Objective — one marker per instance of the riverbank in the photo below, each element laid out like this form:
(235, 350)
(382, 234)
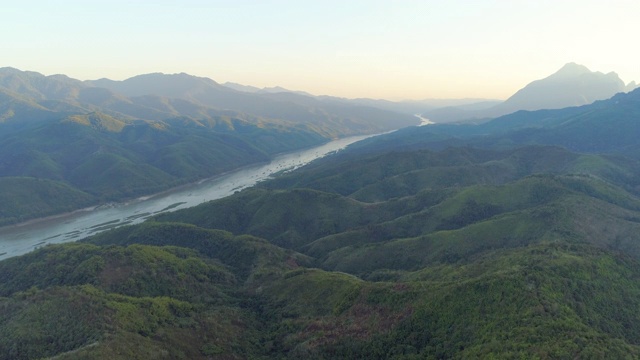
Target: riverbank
(21, 238)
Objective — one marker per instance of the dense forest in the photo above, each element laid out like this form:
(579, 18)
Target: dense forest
(517, 238)
(66, 144)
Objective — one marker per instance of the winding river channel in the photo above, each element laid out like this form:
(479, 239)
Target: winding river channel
(22, 238)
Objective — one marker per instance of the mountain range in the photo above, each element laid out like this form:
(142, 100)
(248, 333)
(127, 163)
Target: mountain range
(572, 85)
(89, 142)
(606, 126)
(158, 97)
(514, 238)
(409, 107)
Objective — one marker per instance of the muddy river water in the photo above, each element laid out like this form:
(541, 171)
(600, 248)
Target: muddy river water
(25, 237)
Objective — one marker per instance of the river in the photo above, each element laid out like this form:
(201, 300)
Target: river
(423, 121)
(22, 238)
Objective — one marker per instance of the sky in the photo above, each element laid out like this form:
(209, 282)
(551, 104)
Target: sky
(394, 50)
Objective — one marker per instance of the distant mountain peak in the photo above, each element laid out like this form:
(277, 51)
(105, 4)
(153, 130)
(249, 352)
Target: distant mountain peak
(9, 70)
(572, 85)
(158, 76)
(169, 85)
(571, 70)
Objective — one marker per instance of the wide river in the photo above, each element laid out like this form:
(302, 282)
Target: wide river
(22, 238)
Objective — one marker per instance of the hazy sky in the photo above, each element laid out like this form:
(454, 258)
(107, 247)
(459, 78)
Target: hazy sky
(351, 48)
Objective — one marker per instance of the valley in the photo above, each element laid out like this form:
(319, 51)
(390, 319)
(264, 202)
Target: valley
(320, 180)
(21, 238)
(67, 144)
(512, 237)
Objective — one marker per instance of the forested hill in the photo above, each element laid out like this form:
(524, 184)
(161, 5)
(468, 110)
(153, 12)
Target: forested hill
(424, 243)
(572, 85)
(607, 126)
(66, 144)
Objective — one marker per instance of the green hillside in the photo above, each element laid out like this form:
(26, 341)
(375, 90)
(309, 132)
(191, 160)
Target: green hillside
(79, 301)
(514, 239)
(603, 127)
(469, 253)
(442, 206)
(113, 160)
(23, 198)
(115, 147)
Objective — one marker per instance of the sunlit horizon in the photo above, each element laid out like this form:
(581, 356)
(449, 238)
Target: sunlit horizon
(408, 50)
